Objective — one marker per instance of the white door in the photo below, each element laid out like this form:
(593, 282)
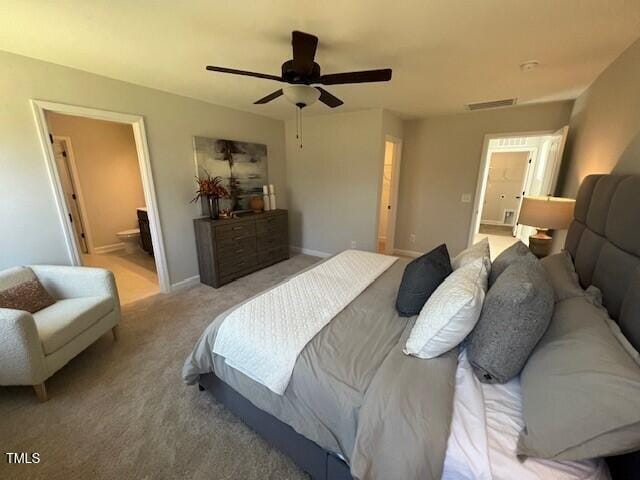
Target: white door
(542, 178)
(70, 194)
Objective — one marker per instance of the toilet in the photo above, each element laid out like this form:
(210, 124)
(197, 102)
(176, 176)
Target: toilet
(130, 239)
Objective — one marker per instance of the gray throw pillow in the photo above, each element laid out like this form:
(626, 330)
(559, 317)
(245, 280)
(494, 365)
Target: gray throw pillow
(580, 389)
(515, 315)
(515, 252)
(420, 279)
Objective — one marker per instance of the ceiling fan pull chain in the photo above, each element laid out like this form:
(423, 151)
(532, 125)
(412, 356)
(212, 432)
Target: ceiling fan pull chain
(301, 127)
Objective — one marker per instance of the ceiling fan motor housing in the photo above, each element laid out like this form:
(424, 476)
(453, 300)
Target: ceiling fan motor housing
(291, 75)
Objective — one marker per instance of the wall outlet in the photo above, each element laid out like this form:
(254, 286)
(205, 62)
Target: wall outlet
(353, 244)
(412, 238)
(466, 198)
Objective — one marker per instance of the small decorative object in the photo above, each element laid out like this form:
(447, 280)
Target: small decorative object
(265, 197)
(257, 204)
(272, 198)
(544, 213)
(211, 190)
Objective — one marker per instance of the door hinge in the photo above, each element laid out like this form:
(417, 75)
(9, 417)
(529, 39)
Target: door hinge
(51, 138)
(64, 154)
(73, 195)
(82, 235)
(70, 218)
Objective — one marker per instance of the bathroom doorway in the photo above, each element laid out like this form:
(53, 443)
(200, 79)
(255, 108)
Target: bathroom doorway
(105, 196)
(513, 166)
(387, 208)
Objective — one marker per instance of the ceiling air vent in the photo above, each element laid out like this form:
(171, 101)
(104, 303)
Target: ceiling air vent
(492, 104)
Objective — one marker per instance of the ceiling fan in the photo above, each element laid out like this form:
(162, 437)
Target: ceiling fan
(302, 74)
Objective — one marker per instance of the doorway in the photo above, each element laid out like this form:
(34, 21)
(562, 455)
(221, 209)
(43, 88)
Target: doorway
(513, 166)
(100, 171)
(387, 208)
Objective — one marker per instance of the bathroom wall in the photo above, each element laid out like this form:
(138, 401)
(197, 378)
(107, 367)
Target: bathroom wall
(107, 166)
(504, 184)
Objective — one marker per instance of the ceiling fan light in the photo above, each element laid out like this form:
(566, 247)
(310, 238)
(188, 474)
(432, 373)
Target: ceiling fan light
(301, 95)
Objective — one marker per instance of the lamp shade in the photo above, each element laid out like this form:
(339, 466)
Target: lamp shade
(301, 95)
(546, 212)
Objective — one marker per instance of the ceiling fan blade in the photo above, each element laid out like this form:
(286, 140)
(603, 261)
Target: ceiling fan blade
(212, 68)
(304, 51)
(268, 98)
(329, 99)
(383, 75)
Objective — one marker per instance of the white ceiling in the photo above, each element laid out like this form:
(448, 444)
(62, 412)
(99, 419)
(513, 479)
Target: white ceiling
(444, 53)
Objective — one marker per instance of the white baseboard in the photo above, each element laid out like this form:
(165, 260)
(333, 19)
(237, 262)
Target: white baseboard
(114, 247)
(406, 253)
(495, 223)
(308, 251)
(187, 282)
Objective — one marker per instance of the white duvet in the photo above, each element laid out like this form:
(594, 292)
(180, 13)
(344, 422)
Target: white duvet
(484, 431)
(264, 336)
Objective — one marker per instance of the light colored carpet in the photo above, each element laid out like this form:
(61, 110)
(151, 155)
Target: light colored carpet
(120, 410)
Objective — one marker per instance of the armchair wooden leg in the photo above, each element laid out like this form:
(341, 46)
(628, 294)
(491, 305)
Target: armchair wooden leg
(41, 392)
(114, 331)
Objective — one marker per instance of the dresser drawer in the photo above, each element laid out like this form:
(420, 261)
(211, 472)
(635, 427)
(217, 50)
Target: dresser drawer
(231, 265)
(235, 231)
(271, 224)
(231, 246)
(273, 255)
(266, 242)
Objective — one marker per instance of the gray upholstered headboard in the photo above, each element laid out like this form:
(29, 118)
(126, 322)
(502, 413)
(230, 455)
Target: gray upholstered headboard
(604, 241)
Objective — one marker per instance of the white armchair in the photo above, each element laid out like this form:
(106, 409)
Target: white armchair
(35, 346)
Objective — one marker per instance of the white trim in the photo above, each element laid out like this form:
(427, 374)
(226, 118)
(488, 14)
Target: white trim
(144, 160)
(186, 283)
(407, 253)
(308, 251)
(114, 247)
(496, 223)
(484, 171)
(77, 187)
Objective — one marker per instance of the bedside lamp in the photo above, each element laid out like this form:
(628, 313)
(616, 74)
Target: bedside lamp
(544, 213)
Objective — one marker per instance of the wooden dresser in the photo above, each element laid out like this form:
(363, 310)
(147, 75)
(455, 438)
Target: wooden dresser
(231, 248)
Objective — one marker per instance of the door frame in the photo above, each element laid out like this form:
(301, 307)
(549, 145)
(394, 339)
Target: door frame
(483, 173)
(393, 193)
(144, 163)
(77, 188)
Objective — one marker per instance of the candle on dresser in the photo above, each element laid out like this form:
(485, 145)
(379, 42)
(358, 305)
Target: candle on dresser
(265, 197)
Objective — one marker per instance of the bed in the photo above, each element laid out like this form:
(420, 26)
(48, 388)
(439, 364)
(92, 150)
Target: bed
(356, 406)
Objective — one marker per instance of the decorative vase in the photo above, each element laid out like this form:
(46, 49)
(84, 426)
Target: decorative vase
(256, 204)
(213, 208)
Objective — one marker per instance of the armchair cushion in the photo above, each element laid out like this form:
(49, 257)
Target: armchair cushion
(21, 290)
(68, 318)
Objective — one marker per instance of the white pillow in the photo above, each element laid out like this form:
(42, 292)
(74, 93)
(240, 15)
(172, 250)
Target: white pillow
(451, 312)
(475, 251)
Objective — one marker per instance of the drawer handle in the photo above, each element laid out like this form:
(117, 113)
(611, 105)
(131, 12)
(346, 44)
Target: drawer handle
(237, 228)
(237, 238)
(240, 250)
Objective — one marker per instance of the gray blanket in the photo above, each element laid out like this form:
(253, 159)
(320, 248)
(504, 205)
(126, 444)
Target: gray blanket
(354, 392)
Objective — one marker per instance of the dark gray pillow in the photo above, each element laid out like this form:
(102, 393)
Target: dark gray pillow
(515, 315)
(515, 252)
(420, 279)
(580, 388)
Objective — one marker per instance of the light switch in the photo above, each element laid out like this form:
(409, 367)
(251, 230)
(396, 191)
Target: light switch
(466, 198)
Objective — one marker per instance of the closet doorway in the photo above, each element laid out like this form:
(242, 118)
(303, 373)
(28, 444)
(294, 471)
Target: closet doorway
(387, 208)
(513, 166)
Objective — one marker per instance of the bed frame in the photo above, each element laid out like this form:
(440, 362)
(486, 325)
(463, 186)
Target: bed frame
(604, 242)
(308, 455)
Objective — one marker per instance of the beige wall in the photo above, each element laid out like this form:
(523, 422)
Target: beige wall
(604, 133)
(334, 180)
(440, 163)
(30, 224)
(107, 165)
